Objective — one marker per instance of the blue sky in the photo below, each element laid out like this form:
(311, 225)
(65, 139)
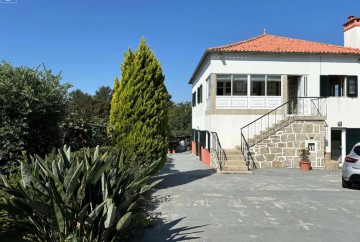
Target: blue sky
(86, 39)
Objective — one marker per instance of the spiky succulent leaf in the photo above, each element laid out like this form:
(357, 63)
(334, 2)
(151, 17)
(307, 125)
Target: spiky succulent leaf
(96, 174)
(124, 221)
(60, 222)
(86, 197)
(65, 155)
(148, 187)
(39, 207)
(25, 174)
(90, 219)
(82, 214)
(74, 180)
(110, 216)
(3, 181)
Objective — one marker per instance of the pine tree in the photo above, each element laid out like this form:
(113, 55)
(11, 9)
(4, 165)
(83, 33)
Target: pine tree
(139, 107)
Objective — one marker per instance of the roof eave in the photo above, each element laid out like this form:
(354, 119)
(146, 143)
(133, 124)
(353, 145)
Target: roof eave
(201, 62)
(284, 52)
(212, 51)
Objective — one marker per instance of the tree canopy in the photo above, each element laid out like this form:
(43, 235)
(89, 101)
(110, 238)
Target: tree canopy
(139, 106)
(87, 124)
(180, 120)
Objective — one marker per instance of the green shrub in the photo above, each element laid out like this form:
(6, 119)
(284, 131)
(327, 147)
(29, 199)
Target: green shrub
(33, 105)
(67, 197)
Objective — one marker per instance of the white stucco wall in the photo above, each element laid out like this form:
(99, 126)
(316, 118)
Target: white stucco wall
(310, 65)
(199, 120)
(352, 37)
(228, 128)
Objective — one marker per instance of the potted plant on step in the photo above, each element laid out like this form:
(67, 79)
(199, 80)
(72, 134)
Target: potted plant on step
(304, 163)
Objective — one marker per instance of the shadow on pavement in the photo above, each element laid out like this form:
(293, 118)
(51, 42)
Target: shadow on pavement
(172, 177)
(162, 230)
(355, 186)
(169, 232)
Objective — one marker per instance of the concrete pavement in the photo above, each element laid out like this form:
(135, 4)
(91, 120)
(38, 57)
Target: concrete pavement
(193, 203)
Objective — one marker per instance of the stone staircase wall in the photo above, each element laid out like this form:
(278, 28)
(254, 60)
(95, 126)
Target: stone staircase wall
(281, 149)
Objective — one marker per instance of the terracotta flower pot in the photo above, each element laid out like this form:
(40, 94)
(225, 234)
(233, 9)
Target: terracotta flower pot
(305, 165)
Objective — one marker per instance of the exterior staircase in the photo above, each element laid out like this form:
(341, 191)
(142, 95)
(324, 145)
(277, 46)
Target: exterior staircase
(271, 130)
(235, 163)
(301, 110)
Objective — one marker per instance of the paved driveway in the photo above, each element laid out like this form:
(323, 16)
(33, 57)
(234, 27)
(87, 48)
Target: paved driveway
(195, 204)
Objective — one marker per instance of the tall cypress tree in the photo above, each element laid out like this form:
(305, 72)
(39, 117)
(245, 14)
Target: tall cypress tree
(139, 106)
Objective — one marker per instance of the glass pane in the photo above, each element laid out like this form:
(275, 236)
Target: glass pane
(223, 77)
(228, 88)
(240, 85)
(274, 85)
(257, 85)
(335, 86)
(223, 84)
(257, 78)
(274, 78)
(352, 86)
(220, 88)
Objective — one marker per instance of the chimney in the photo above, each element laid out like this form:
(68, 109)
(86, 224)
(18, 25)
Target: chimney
(352, 32)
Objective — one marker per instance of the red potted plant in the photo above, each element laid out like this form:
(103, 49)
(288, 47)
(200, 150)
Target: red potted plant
(304, 162)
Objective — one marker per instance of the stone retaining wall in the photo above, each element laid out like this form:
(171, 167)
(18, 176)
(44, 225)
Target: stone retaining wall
(282, 148)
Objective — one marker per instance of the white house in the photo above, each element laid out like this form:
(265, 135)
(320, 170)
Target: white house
(272, 95)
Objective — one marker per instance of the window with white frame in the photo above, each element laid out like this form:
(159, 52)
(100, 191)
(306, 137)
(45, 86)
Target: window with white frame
(239, 85)
(257, 85)
(223, 87)
(273, 85)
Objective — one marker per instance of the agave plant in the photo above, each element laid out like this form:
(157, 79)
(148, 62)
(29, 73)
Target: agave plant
(81, 198)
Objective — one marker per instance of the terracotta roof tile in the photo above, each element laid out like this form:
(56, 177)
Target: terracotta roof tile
(278, 44)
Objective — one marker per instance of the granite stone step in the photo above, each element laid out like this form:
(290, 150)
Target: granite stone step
(235, 168)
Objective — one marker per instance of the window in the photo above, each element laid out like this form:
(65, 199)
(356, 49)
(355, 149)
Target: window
(208, 87)
(194, 99)
(257, 85)
(352, 86)
(273, 85)
(223, 85)
(199, 96)
(239, 85)
(334, 86)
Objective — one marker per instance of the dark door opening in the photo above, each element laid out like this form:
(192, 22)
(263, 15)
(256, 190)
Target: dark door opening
(293, 88)
(336, 145)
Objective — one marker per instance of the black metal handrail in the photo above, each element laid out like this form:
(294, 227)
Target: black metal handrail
(215, 145)
(245, 150)
(260, 127)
